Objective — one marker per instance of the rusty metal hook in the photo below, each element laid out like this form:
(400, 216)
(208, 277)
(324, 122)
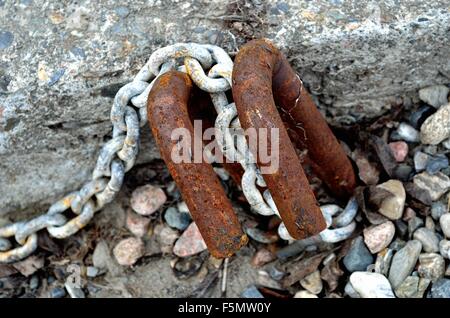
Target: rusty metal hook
(262, 79)
(200, 187)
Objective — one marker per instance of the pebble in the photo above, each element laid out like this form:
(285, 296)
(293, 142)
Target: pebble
(444, 248)
(262, 257)
(128, 251)
(409, 214)
(407, 133)
(147, 199)
(252, 292)
(190, 242)
(6, 39)
(304, 294)
(183, 208)
(436, 163)
(34, 282)
(101, 255)
(418, 117)
(371, 285)
(73, 291)
(431, 266)
(399, 149)
(435, 96)
(383, 261)
(276, 274)
(392, 206)
(261, 236)
(92, 271)
(435, 185)
(441, 288)
(444, 221)
(429, 223)
(312, 283)
(420, 161)
(122, 11)
(367, 171)
(57, 292)
(437, 210)
(403, 172)
(358, 256)
(401, 228)
(404, 262)
(137, 224)
(429, 240)
(378, 237)
(166, 237)
(436, 128)
(413, 224)
(176, 219)
(350, 291)
(412, 287)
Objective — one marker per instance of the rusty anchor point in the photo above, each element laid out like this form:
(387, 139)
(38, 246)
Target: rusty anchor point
(263, 78)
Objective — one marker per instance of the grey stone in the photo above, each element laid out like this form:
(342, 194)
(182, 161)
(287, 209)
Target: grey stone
(437, 163)
(444, 221)
(176, 219)
(431, 266)
(412, 287)
(438, 209)
(57, 292)
(383, 261)
(92, 271)
(358, 256)
(436, 185)
(420, 160)
(406, 132)
(350, 291)
(403, 262)
(441, 288)
(444, 248)
(371, 285)
(436, 128)
(428, 238)
(413, 224)
(429, 223)
(50, 136)
(34, 282)
(435, 96)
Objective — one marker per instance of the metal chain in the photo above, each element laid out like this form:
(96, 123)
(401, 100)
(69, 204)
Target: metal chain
(118, 155)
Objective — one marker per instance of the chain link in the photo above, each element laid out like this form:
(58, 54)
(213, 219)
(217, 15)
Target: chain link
(118, 155)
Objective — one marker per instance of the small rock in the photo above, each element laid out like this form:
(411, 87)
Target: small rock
(166, 237)
(252, 292)
(409, 214)
(358, 256)
(444, 248)
(57, 292)
(378, 237)
(401, 228)
(190, 242)
(444, 221)
(435, 185)
(436, 163)
(428, 238)
(413, 224)
(437, 210)
(34, 282)
(418, 117)
(431, 266)
(312, 283)
(29, 265)
(147, 199)
(429, 223)
(176, 219)
(73, 291)
(404, 262)
(420, 161)
(122, 11)
(304, 294)
(383, 261)
(261, 236)
(399, 149)
(262, 257)
(128, 251)
(137, 224)
(392, 206)
(435, 128)
(402, 172)
(367, 171)
(435, 96)
(183, 208)
(441, 288)
(92, 271)
(407, 133)
(371, 285)
(412, 287)
(350, 291)
(101, 255)
(276, 274)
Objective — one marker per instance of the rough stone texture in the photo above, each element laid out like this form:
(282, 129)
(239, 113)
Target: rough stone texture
(62, 61)
(436, 128)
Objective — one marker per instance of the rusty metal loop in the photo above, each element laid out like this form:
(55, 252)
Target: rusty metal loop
(200, 187)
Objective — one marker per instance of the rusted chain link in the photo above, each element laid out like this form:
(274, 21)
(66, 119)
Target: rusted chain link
(118, 155)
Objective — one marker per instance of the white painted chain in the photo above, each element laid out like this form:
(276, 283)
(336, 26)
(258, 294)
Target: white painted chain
(118, 155)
